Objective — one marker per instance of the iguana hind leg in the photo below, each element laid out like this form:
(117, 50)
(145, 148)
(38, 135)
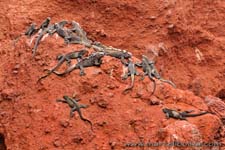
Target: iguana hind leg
(82, 73)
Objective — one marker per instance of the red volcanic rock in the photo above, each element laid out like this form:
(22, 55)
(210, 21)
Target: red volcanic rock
(180, 133)
(221, 94)
(216, 106)
(30, 117)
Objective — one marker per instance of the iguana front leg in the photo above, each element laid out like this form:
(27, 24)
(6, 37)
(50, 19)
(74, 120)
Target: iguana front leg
(125, 76)
(82, 73)
(143, 75)
(97, 62)
(167, 115)
(83, 106)
(72, 110)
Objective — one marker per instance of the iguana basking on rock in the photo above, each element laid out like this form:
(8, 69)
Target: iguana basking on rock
(180, 115)
(75, 106)
(93, 60)
(131, 72)
(150, 70)
(67, 57)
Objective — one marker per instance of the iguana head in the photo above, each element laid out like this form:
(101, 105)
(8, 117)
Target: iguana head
(126, 54)
(66, 97)
(165, 110)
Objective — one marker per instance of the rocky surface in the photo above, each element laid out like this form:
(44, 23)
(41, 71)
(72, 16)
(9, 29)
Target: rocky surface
(186, 40)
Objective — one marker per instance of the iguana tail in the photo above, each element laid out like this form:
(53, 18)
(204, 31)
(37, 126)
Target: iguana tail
(71, 68)
(169, 82)
(195, 115)
(132, 84)
(37, 42)
(82, 118)
(154, 86)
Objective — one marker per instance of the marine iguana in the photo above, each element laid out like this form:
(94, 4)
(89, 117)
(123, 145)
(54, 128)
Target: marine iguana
(45, 24)
(131, 72)
(111, 51)
(31, 30)
(180, 115)
(81, 33)
(93, 60)
(67, 57)
(73, 104)
(150, 70)
(45, 30)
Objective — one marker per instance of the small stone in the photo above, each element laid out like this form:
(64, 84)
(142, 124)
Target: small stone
(111, 95)
(111, 86)
(155, 101)
(17, 66)
(8, 94)
(77, 139)
(101, 93)
(97, 71)
(15, 72)
(47, 130)
(27, 125)
(152, 17)
(102, 103)
(102, 33)
(171, 26)
(112, 144)
(57, 143)
(102, 124)
(95, 85)
(37, 58)
(64, 123)
(92, 100)
(139, 110)
(162, 49)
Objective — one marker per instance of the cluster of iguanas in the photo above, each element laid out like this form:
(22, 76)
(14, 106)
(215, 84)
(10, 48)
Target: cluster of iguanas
(76, 35)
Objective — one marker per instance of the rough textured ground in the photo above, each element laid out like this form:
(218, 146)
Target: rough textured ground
(186, 38)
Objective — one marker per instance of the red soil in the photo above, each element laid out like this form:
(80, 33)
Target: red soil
(186, 38)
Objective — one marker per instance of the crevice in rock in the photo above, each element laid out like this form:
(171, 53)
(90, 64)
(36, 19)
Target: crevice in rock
(2, 142)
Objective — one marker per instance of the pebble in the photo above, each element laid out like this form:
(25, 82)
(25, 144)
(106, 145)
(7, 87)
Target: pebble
(152, 17)
(57, 143)
(17, 66)
(171, 26)
(102, 104)
(111, 95)
(64, 123)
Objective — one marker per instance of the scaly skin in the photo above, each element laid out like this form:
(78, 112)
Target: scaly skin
(31, 30)
(93, 60)
(155, 73)
(45, 23)
(80, 32)
(41, 35)
(180, 115)
(150, 70)
(72, 55)
(46, 29)
(147, 69)
(111, 51)
(131, 72)
(63, 33)
(73, 104)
